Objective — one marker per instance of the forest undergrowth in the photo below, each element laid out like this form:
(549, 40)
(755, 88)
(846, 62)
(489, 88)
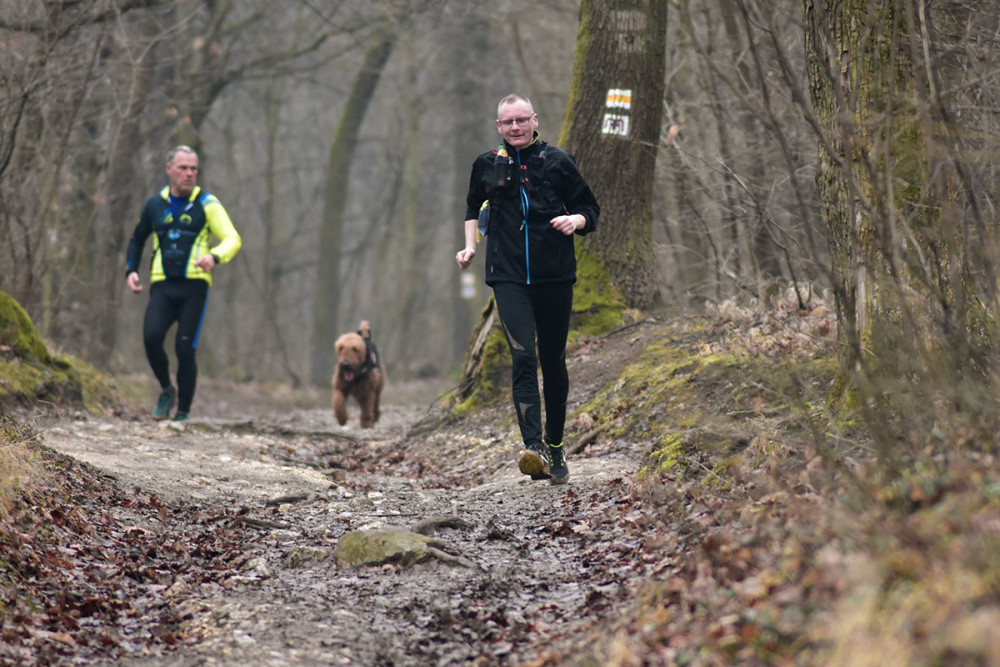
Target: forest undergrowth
(765, 527)
(796, 538)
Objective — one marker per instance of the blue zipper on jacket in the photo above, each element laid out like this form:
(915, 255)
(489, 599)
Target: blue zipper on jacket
(524, 222)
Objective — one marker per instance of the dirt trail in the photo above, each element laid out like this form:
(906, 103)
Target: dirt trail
(536, 579)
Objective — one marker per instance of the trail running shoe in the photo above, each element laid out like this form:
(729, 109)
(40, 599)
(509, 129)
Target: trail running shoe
(180, 416)
(560, 471)
(164, 403)
(534, 461)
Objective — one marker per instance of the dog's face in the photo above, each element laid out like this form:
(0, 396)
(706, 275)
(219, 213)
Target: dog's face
(350, 356)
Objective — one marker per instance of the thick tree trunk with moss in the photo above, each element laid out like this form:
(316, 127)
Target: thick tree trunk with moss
(326, 301)
(612, 127)
(859, 75)
(911, 259)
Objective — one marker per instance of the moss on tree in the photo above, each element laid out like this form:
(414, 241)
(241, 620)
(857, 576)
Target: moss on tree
(29, 373)
(493, 378)
(597, 304)
(18, 335)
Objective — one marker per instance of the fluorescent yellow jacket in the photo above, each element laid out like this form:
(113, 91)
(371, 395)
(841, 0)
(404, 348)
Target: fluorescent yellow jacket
(178, 244)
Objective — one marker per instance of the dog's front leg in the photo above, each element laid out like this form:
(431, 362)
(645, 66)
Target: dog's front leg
(368, 411)
(340, 406)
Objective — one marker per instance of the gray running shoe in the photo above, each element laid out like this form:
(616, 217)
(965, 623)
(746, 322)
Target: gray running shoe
(534, 461)
(560, 471)
(163, 404)
(180, 416)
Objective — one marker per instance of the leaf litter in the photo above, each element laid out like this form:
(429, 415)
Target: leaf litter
(213, 543)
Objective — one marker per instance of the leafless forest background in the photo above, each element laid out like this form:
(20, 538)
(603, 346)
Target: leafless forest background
(94, 93)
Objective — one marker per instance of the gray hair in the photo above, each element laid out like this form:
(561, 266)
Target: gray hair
(511, 99)
(172, 153)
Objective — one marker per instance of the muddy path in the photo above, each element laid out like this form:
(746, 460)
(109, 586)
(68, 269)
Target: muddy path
(537, 566)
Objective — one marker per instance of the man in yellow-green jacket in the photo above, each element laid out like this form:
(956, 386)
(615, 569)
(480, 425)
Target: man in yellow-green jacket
(181, 218)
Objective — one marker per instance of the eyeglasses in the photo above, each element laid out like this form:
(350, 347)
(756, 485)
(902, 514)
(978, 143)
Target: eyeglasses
(521, 122)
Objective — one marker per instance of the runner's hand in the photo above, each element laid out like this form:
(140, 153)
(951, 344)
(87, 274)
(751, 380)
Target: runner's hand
(464, 257)
(206, 263)
(567, 224)
(134, 283)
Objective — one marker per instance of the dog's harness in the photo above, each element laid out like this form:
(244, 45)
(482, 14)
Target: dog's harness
(371, 355)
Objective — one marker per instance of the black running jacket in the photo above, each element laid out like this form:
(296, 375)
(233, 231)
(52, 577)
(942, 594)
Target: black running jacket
(525, 189)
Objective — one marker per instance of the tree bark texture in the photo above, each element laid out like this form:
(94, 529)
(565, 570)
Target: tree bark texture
(858, 73)
(904, 252)
(612, 127)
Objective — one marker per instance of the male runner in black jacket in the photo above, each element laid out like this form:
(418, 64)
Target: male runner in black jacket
(537, 200)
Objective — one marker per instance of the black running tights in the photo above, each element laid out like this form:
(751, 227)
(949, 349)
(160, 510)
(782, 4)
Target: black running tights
(527, 311)
(184, 302)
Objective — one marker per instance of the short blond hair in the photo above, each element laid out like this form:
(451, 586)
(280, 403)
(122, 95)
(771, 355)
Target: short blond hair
(172, 153)
(513, 98)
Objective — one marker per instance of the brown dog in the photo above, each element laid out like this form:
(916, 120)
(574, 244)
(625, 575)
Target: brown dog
(359, 372)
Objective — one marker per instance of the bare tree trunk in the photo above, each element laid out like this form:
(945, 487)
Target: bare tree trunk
(326, 301)
(268, 333)
(414, 240)
(48, 214)
(113, 223)
(762, 248)
(612, 126)
(728, 201)
(470, 92)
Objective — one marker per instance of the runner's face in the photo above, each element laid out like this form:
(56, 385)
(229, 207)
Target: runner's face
(183, 173)
(517, 134)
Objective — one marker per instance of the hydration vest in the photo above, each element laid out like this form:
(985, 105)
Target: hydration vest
(176, 238)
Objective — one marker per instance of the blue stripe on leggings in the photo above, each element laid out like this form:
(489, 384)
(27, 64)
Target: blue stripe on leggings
(201, 321)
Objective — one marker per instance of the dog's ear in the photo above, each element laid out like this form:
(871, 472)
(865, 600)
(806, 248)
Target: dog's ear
(365, 329)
